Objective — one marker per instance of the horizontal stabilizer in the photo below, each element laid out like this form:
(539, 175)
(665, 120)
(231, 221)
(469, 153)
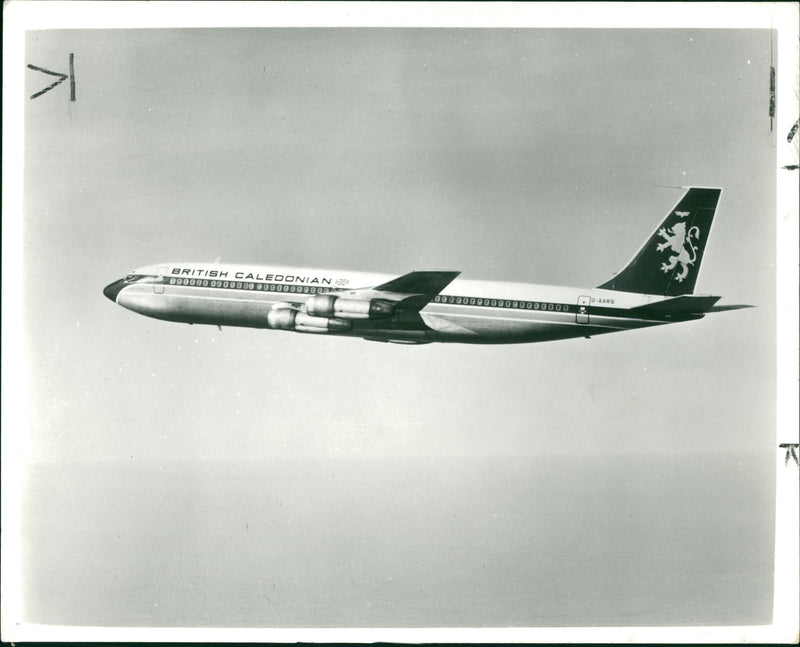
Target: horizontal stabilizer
(726, 308)
(683, 305)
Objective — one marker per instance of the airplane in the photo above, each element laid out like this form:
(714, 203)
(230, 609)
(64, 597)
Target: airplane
(655, 288)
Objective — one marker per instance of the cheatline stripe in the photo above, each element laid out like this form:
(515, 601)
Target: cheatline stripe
(451, 300)
(544, 306)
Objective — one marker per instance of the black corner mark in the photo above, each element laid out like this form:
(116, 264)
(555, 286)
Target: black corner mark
(791, 451)
(71, 76)
(61, 78)
(793, 131)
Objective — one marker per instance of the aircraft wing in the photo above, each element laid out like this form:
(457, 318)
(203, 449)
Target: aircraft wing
(412, 291)
(430, 283)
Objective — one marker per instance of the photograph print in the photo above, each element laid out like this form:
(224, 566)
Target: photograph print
(315, 325)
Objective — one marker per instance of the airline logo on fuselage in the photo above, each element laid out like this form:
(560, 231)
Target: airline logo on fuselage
(256, 276)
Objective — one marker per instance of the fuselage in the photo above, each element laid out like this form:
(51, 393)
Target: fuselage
(466, 311)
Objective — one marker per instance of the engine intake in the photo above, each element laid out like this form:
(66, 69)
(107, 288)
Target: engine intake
(290, 319)
(327, 305)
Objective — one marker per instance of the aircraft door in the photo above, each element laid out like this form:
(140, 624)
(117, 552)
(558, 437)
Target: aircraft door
(582, 316)
(158, 286)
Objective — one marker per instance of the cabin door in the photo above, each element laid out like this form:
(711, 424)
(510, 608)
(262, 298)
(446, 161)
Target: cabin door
(158, 286)
(582, 316)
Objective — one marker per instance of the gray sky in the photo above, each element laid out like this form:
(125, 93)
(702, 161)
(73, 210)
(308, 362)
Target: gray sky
(515, 155)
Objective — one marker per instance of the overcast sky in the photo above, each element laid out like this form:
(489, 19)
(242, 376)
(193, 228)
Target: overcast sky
(540, 156)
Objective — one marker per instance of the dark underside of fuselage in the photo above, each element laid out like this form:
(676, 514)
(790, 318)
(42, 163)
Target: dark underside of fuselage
(418, 333)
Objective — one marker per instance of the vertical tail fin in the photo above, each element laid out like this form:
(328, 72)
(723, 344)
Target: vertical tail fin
(669, 262)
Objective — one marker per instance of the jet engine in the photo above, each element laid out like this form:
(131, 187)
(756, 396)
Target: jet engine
(284, 318)
(327, 305)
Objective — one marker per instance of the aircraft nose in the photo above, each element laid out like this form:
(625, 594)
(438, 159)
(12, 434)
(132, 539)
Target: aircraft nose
(112, 289)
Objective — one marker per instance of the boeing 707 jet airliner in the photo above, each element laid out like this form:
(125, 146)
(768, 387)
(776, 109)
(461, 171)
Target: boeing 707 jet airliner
(655, 288)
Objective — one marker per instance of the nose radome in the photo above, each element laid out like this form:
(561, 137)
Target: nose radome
(112, 289)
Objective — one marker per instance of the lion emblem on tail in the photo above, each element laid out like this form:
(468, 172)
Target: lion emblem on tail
(680, 242)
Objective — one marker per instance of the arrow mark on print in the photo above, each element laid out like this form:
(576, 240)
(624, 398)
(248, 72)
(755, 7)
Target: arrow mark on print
(61, 78)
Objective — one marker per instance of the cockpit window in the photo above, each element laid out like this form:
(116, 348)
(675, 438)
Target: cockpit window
(142, 278)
